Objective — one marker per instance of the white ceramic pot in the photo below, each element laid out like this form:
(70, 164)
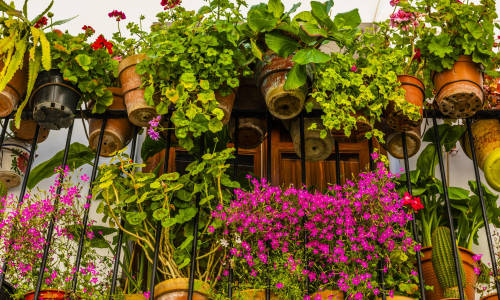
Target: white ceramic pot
(14, 157)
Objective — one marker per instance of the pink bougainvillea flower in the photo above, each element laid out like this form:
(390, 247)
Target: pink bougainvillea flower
(41, 22)
(118, 15)
(168, 4)
(84, 177)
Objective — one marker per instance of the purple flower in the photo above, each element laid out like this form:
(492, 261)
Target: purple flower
(153, 134)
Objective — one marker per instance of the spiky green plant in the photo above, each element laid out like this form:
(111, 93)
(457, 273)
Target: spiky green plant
(444, 264)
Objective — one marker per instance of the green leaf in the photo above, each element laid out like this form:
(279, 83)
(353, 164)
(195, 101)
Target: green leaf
(215, 125)
(78, 155)
(160, 214)
(184, 263)
(151, 147)
(260, 19)
(456, 193)
(350, 19)
(255, 49)
(276, 7)
(281, 44)
(321, 13)
(184, 195)
(310, 55)
(61, 22)
(440, 45)
(427, 161)
(296, 78)
(168, 222)
(474, 29)
(186, 214)
(313, 30)
(186, 243)
(135, 218)
(169, 176)
(84, 61)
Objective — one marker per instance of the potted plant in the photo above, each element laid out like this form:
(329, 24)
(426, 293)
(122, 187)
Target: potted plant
(457, 42)
(23, 233)
(317, 147)
(14, 161)
(27, 129)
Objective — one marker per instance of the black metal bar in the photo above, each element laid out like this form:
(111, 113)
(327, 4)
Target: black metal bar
(159, 227)
(236, 145)
(194, 249)
(50, 231)
(413, 222)
(23, 190)
(483, 206)
(120, 232)
(337, 163)
(370, 151)
(302, 150)
(269, 122)
(437, 143)
(4, 131)
(87, 209)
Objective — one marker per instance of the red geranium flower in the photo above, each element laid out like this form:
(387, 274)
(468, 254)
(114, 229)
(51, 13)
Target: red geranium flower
(414, 202)
(102, 42)
(119, 15)
(168, 4)
(87, 28)
(417, 55)
(41, 22)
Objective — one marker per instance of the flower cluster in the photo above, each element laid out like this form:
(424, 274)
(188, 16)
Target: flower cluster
(413, 202)
(118, 15)
(23, 233)
(349, 230)
(102, 42)
(88, 29)
(394, 2)
(41, 22)
(168, 4)
(152, 130)
(404, 20)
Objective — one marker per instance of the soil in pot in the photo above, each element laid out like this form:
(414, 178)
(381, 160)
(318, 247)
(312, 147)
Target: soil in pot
(254, 294)
(486, 135)
(177, 289)
(272, 74)
(226, 103)
(139, 112)
(431, 279)
(329, 295)
(54, 100)
(394, 142)
(316, 148)
(414, 94)
(117, 133)
(15, 89)
(48, 294)
(459, 91)
(14, 157)
(27, 129)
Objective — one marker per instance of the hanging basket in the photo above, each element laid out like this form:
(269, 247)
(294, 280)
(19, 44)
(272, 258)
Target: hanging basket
(14, 161)
(414, 94)
(139, 112)
(117, 133)
(177, 289)
(27, 130)
(15, 89)
(272, 74)
(316, 148)
(54, 100)
(459, 91)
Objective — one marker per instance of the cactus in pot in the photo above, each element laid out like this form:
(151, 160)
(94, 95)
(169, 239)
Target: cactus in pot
(443, 262)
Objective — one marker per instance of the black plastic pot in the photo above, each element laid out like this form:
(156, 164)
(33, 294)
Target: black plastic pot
(54, 100)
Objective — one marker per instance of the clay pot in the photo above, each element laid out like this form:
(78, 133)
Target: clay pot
(139, 112)
(459, 90)
(490, 297)
(414, 94)
(254, 294)
(316, 147)
(15, 89)
(54, 100)
(329, 295)
(430, 277)
(272, 74)
(134, 297)
(27, 129)
(117, 133)
(398, 298)
(226, 103)
(486, 135)
(177, 289)
(394, 142)
(14, 157)
(47, 294)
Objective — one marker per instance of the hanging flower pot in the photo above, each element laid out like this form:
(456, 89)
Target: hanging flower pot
(486, 135)
(430, 277)
(27, 130)
(459, 91)
(15, 89)
(272, 74)
(54, 100)
(394, 142)
(139, 112)
(316, 148)
(14, 157)
(134, 297)
(253, 294)
(490, 297)
(177, 289)
(117, 133)
(414, 94)
(48, 294)
(328, 295)
(226, 103)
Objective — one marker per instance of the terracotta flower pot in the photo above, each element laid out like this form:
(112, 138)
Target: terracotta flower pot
(431, 279)
(177, 289)
(15, 89)
(117, 133)
(486, 135)
(54, 100)
(47, 294)
(272, 74)
(139, 112)
(398, 298)
(329, 295)
(414, 94)
(134, 297)
(226, 103)
(490, 297)
(254, 294)
(459, 90)
(316, 147)
(394, 142)
(14, 157)
(27, 129)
